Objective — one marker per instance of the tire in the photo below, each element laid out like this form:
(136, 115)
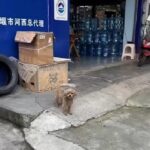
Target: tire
(12, 76)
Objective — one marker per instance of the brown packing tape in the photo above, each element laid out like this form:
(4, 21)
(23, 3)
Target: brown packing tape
(36, 49)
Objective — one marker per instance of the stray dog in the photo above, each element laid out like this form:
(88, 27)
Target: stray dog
(64, 97)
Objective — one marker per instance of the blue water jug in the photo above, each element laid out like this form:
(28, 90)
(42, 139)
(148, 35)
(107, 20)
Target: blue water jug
(99, 50)
(120, 49)
(109, 36)
(89, 38)
(105, 24)
(114, 50)
(89, 50)
(104, 37)
(82, 39)
(96, 39)
(120, 23)
(83, 49)
(94, 24)
(111, 23)
(77, 44)
(115, 37)
(82, 25)
(106, 51)
(115, 44)
(77, 17)
(100, 24)
(87, 24)
(116, 23)
(92, 50)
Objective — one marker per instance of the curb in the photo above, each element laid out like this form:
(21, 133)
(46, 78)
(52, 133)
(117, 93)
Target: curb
(20, 120)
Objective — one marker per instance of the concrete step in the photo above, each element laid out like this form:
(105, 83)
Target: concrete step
(21, 107)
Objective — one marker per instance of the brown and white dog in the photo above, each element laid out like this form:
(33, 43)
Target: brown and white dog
(64, 97)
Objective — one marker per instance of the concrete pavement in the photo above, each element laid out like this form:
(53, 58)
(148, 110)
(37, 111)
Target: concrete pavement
(99, 93)
(140, 99)
(120, 87)
(25, 106)
(124, 129)
(11, 138)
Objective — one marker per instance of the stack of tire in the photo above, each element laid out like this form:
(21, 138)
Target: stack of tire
(8, 75)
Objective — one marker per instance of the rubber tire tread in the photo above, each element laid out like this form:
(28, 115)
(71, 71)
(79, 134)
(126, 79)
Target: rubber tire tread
(6, 89)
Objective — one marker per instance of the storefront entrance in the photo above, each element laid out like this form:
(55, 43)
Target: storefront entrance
(100, 30)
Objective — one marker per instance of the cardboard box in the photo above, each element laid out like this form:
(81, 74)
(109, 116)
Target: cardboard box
(35, 47)
(41, 78)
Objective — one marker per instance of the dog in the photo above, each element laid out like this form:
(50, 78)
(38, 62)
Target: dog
(64, 97)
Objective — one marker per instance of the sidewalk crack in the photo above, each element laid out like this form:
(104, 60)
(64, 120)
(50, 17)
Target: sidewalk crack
(67, 140)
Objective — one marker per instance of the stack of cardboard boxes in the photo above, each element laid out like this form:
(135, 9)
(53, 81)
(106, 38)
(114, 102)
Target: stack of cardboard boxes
(39, 71)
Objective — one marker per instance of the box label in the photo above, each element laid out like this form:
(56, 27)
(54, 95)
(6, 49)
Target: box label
(42, 37)
(61, 10)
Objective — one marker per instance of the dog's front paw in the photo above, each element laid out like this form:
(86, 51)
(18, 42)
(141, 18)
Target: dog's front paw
(65, 113)
(70, 113)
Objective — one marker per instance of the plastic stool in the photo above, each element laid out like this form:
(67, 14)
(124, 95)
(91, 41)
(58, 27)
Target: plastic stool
(128, 51)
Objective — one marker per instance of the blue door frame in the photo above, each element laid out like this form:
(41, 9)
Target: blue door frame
(138, 27)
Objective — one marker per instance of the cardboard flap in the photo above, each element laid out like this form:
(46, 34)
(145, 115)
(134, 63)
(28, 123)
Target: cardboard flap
(25, 37)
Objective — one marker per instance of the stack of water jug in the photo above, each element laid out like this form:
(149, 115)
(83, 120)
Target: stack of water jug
(103, 38)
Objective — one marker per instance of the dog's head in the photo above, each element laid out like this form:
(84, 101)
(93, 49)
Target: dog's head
(70, 93)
